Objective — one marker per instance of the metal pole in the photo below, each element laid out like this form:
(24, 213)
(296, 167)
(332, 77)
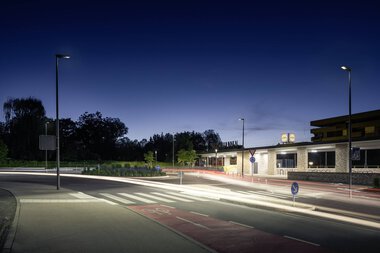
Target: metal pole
(57, 118)
(348, 69)
(173, 150)
(349, 132)
(242, 153)
(46, 166)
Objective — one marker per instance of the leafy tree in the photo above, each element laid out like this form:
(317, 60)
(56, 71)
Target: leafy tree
(99, 135)
(187, 157)
(3, 151)
(212, 139)
(24, 122)
(149, 158)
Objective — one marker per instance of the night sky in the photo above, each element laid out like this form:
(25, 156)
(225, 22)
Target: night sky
(173, 66)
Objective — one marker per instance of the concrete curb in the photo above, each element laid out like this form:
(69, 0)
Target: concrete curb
(11, 233)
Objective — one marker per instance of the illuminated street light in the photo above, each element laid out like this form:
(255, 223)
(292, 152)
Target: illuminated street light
(348, 69)
(242, 151)
(57, 57)
(216, 157)
(46, 165)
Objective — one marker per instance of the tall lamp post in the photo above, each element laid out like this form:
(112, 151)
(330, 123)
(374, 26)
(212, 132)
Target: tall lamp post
(242, 151)
(46, 165)
(348, 69)
(173, 150)
(216, 158)
(57, 57)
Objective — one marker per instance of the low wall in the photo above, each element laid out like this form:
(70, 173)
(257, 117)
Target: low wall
(334, 177)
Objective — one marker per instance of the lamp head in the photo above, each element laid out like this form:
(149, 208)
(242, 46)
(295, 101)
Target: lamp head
(241, 119)
(346, 68)
(64, 56)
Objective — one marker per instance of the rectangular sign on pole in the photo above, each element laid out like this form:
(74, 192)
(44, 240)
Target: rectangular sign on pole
(355, 155)
(47, 142)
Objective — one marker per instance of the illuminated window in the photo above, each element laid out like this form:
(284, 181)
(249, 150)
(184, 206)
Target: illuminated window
(370, 130)
(233, 160)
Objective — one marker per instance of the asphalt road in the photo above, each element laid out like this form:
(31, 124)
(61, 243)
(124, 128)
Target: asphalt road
(104, 216)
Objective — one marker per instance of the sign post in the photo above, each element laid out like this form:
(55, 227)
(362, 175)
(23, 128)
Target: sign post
(294, 189)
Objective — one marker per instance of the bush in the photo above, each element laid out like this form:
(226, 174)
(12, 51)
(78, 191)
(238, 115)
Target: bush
(376, 182)
(124, 172)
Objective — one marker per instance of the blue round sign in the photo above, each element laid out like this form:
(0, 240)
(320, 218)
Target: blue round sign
(157, 167)
(295, 188)
(252, 159)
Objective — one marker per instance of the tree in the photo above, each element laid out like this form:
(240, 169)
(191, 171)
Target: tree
(3, 151)
(24, 122)
(99, 135)
(149, 158)
(212, 139)
(187, 157)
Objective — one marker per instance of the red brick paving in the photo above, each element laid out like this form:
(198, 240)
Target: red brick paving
(223, 236)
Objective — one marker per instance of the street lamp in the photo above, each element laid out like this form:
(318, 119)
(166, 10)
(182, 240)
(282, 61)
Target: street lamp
(216, 158)
(173, 150)
(57, 57)
(348, 69)
(46, 166)
(155, 153)
(242, 151)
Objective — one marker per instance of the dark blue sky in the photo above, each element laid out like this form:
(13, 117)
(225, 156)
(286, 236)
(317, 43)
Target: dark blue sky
(173, 66)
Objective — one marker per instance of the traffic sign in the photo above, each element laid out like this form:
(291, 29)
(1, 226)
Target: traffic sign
(295, 188)
(252, 159)
(355, 154)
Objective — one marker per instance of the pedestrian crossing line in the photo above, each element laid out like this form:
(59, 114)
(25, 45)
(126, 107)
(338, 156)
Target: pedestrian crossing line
(81, 195)
(187, 196)
(269, 194)
(243, 192)
(130, 196)
(155, 197)
(121, 200)
(172, 197)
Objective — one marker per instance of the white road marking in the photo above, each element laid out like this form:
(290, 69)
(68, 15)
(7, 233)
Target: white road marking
(300, 240)
(65, 201)
(240, 224)
(187, 196)
(243, 192)
(172, 197)
(196, 224)
(155, 197)
(168, 206)
(137, 198)
(50, 201)
(121, 200)
(271, 194)
(81, 195)
(206, 215)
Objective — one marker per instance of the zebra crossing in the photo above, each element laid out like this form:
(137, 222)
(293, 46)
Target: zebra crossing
(150, 198)
(267, 194)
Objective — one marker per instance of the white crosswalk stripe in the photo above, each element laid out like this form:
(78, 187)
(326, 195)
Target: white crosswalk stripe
(130, 196)
(266, 193)
(187, 196)
(155, 197)
(121, 200)
(150, 198)
(172, 197)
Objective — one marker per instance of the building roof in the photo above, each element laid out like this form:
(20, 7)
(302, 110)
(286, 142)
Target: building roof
(357, 117)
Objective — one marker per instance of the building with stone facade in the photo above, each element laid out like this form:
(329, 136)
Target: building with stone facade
(327, 151)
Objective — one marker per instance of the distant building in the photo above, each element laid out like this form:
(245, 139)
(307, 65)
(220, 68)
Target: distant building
(327, 151)
(365, 126)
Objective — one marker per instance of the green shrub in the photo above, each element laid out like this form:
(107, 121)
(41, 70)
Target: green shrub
(376, 182)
